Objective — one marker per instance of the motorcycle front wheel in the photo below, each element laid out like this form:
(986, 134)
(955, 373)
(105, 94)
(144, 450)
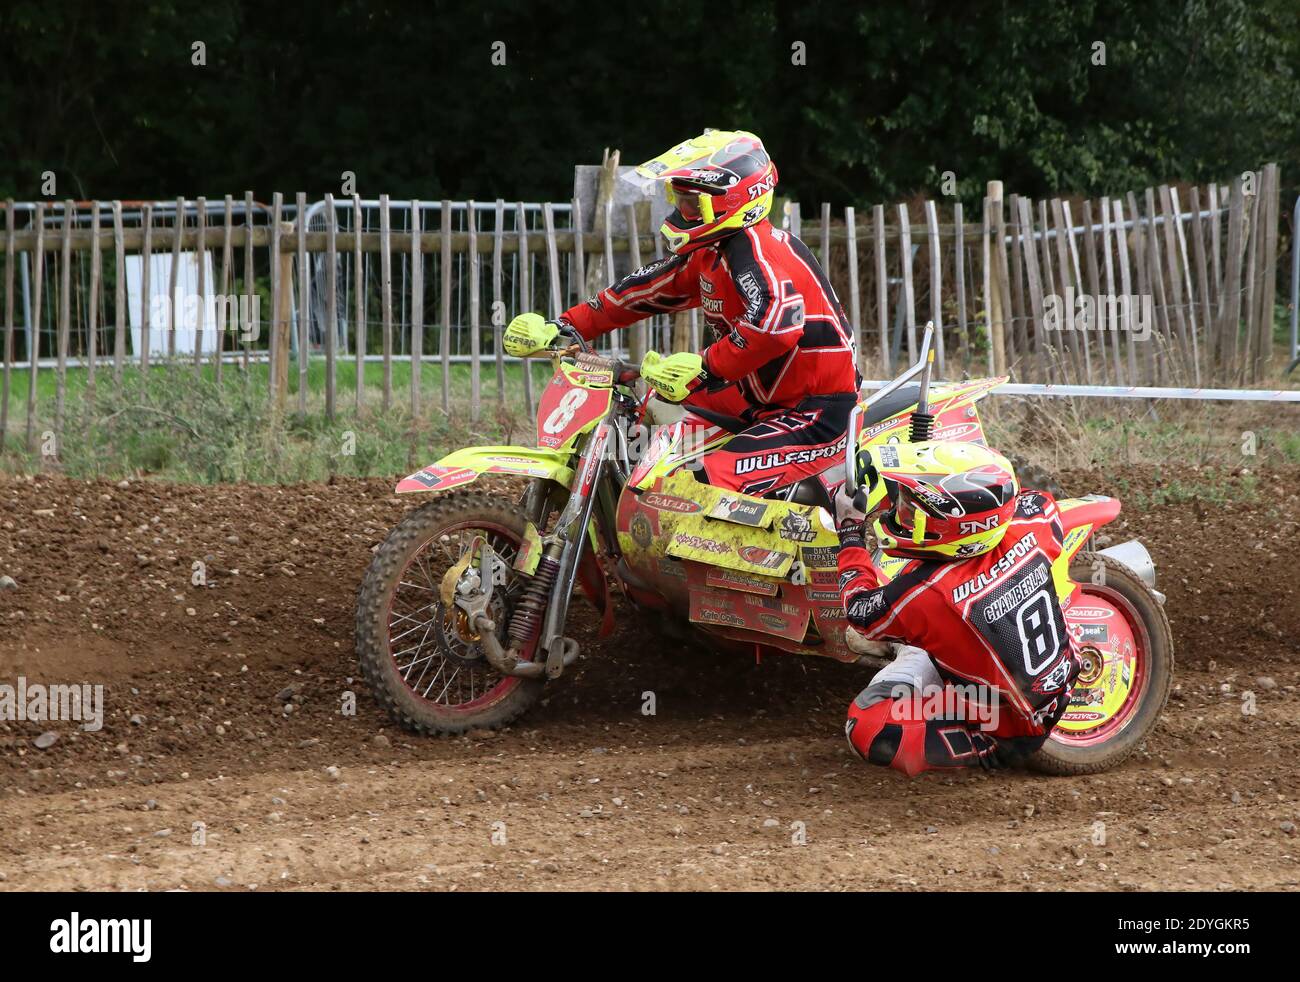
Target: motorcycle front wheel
(424, 663)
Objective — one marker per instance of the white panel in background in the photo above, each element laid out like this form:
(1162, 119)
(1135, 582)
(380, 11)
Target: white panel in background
(186, 301)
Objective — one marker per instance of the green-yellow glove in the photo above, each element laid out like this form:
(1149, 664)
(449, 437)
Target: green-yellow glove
(528, 334)
(672, 377)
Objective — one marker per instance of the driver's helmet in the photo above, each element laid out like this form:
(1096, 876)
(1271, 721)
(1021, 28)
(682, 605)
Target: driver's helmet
(718, 183)
(948, 500)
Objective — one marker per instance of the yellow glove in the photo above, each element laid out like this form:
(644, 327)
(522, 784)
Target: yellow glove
(671, 377)
(528, 334)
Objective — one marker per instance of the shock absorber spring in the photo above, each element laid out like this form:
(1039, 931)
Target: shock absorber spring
(922, 426)
(526, 620)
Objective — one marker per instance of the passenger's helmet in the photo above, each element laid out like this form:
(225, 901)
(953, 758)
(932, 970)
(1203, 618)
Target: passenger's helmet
(948, 500)
(718, 182)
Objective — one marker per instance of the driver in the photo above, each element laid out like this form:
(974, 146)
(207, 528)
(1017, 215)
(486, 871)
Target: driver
(781, 371)
(984, 663)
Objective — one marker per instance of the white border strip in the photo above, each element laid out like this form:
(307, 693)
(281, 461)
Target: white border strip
(1135, 392)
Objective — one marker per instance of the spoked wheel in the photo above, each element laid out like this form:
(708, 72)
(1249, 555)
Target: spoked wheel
(424, 661)
(1128, 669)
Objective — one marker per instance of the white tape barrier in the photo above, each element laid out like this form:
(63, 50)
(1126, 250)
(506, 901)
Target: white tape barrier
(1135, 392)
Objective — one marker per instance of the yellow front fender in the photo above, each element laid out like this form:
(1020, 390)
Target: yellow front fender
(465, 466)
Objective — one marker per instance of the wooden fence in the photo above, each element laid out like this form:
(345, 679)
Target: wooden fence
(1182, 282)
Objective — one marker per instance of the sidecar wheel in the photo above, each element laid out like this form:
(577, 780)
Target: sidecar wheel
(1097, 735)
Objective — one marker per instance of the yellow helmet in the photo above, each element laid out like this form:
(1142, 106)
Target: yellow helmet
(718, 182)
(949, 500)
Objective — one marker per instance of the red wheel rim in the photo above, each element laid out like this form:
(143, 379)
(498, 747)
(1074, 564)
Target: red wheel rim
(1096, 595)
(426, 651)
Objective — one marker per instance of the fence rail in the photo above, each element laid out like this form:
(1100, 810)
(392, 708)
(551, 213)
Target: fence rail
(1162, 288)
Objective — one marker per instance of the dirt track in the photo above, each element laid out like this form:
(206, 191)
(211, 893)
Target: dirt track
(592, 794)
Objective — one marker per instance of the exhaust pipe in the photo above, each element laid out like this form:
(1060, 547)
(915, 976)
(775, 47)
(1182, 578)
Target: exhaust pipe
(1134, 555)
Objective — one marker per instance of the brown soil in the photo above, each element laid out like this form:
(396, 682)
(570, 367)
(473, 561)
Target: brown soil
(592, 794)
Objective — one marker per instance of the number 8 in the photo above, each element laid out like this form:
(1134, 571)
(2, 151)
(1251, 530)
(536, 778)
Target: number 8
(563, 414)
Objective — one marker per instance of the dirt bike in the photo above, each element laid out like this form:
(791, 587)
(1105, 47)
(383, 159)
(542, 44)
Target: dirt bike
(461, 615)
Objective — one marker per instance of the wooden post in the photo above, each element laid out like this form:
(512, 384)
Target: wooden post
(1183, 345)
(909, 300)
(1216, 247)
(92, 305)
(358, 308)
(1202, 278)
(498, 301)
(1145, 319)
(1272, 204)
(34, 349)
(96, 258)
(997, 278)
(386, 293)
(1157, 281)
(119, 293)
(276, 353)
(1092, 269)
(959, 271)
(250, 285)
(444, 348)
(1250, 245)
(1176, 213)
(65, 320)
(331, 306)
(227, 253)
(1129, 326)
(304, 301)
(987, 255)
(826, 239)
(639, 341)
(1056, 347)
(1045, 366)
(201, 208)
(475, 341)
(579, 251)
(11, 262)
(525, 296)
(178, 228)
(882, 287)
(283, 303)
(1112, 327)
(146, 304)
(417, 305)
(602, 222)
(1068, 263)
(1016, 335)
(855, 299)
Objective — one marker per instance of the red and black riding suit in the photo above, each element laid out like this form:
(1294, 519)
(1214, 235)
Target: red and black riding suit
(991, 621)
(781, 370)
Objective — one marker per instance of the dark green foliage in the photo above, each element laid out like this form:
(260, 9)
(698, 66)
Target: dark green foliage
(406, 95)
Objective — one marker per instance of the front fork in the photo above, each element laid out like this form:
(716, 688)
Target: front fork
(546, 599)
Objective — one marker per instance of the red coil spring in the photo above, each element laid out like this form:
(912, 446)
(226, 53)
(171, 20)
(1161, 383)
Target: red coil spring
(527, 618)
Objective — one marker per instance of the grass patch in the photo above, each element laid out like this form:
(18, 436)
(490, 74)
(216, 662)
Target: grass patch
(181, 425)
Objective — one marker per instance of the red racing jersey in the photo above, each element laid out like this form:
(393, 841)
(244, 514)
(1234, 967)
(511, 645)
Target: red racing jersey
(778, 330)
(992, 620)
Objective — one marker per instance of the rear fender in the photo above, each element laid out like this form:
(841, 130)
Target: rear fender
(1080, 518)
(465, 466)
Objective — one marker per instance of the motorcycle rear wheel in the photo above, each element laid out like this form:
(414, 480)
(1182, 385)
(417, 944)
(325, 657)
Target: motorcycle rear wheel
(423, 664)
(1091, 751)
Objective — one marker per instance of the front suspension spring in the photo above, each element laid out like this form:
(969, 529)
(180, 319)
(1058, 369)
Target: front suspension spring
(526, 621)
